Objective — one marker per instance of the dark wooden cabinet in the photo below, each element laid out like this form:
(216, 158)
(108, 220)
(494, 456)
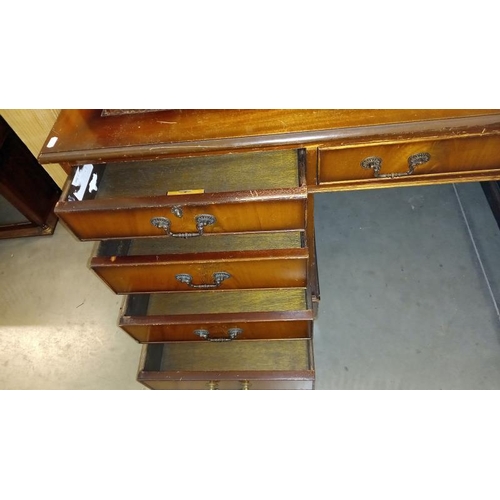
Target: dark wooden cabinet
(206, 221)
(27, 192)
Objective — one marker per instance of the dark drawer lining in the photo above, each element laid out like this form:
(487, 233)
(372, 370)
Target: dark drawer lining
(219, 302)
(269, 355)
(214, 243)
(210, 174)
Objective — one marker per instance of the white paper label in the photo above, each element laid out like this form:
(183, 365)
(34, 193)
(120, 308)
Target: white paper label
(52, 142)
(93, 183)
(81, 180)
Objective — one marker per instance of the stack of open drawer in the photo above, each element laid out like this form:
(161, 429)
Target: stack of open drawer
(215, 256)
(205, 219)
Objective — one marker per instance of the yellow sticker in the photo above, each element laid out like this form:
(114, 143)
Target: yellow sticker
(185, 191)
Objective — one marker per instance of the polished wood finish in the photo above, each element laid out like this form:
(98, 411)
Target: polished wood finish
(28, 192)
(259, 269)
(84, 135)
(271, 194)
(269, 364)
(256, 260)
(144, 156)
(294, 381)
(260, 313)
(460, 157)
(256, 327)
(132, 218)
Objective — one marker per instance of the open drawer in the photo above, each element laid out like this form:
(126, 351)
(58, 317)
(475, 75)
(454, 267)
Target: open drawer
(264, 364)
(186, 197)
(224, 261)
(219, 316)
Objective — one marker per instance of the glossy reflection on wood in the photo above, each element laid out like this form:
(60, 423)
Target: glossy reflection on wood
(282, 211)
(127, 199)
(254, 171)
(282, 328)
(84, 135)
(260, 313)
(258, 269)
(448, 156)
(259, 260)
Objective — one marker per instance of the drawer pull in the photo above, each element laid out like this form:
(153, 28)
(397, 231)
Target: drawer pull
(245, 385)
(201, 220)
(213, 385)
(218, 279)
(232, 334)
(375, 163)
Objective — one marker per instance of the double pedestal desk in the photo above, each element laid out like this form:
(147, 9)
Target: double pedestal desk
(205, 221)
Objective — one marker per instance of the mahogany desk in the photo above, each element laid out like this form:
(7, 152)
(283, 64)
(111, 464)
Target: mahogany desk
(206, 225)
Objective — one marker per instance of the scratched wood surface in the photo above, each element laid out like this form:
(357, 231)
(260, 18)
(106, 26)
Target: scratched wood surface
(222, 173)
(87, 135)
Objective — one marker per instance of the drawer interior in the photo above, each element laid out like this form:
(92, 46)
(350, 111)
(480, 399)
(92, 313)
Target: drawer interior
(250, 355)
(212, 243)
(219, 302)
(203, 174)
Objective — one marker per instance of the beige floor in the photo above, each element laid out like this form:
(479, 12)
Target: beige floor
(58, 321)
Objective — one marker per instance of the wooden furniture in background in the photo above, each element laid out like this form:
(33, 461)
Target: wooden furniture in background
(27, 192)
(32, 126)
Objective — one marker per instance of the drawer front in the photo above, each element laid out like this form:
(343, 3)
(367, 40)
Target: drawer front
(410, 162)
(256, 260)
(247, 272)
(265, 364)
(90, 221)
(228, 385)
(220, 332)
(186, 197)
(215, 316)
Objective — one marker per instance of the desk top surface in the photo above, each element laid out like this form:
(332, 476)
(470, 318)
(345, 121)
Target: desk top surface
(80, 135)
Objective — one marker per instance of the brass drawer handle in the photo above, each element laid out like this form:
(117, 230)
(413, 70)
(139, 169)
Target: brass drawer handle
(213, 385)
(232, 334)
(201, 220)
(218, 279)
(375, 163)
